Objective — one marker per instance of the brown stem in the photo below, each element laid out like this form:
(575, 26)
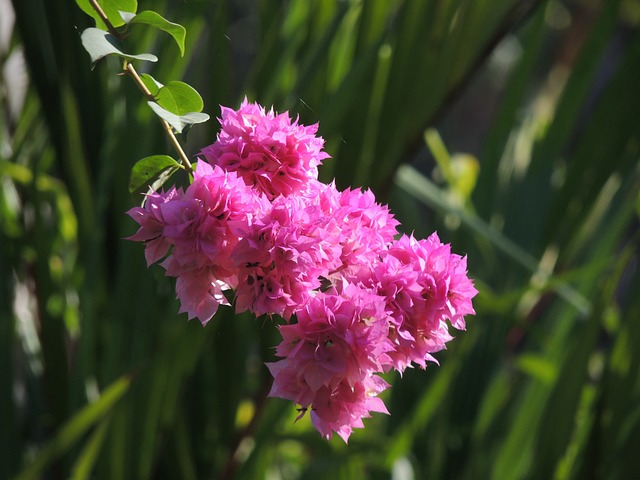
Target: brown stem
(103, 16)
(129, 68)
(232, 464)
(131, 71)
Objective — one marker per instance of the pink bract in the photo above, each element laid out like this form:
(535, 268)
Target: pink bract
(152, 223)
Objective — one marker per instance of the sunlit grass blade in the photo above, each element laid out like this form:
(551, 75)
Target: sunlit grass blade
(86, 460)
(77, 426)
(425, 191)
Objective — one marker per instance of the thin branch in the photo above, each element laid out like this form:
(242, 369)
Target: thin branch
(129, 68)
(103, 16)
(131, 71)
(231, 466)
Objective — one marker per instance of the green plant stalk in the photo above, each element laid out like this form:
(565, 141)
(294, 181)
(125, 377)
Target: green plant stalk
(131, 71)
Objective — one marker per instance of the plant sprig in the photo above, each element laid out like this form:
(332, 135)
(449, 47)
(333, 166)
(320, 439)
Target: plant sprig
(177, 104)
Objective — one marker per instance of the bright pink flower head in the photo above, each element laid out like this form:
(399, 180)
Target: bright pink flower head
(200, 292)
(203, 226)
(341, 409)
(282, 259)
(461, 292)
(425, 286)
(358, 303)
(448, 289)
(152, 224)
(331, 358)
(270, 152)
(361, 227)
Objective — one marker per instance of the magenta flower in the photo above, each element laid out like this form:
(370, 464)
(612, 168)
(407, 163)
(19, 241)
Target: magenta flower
(332, 357)
(342, 408)
(281, 260)
(365, 227)
(152, 223)
(204, 224)
(258, 230)
(270, 152)
(425, 286)
(200, 293)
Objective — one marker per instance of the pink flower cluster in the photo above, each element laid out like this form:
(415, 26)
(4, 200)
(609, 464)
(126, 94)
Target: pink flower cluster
(257, 229)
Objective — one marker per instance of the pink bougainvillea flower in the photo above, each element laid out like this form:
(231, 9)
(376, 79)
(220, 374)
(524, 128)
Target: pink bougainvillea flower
(284, 256)
(200, 293)
(342, 408)
(270, 151)
(256, 228)
(200, 228)
(366, 227)
(332, 356)
(152, 223)
(203, 225)
(425, 285)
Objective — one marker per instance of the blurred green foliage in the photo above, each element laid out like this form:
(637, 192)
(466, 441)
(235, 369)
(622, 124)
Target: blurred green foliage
(510, 126)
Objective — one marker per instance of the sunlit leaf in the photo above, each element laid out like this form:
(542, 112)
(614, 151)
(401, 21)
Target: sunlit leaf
(151, 173)
(76, 427)
(179, 98)
(90, 451)
(154, 19)
(538, 367)
(151, 83)
(111, 8)
(178, 122)
(99, 44)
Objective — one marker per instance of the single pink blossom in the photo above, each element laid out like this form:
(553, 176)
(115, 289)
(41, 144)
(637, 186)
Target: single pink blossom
(341, 409)
(204, 225)
(200, 293)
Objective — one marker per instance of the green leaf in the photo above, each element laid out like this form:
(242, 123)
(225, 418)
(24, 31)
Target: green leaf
(76, 427)
(99, 44)
(179, 98)
(151, 173)
(178, 122)
(111, 8)
(90, 451)
(149, 17)
(538, 367)
(151, 83)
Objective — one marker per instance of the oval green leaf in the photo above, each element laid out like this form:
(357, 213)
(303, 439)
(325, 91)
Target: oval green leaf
(99, 44)
(178, 122)
(111, 8)
(151, 173)
(151, 83)
(179, 98)
(149, 17)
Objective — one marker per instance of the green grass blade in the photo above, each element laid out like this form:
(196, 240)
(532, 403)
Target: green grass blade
(76, 427)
